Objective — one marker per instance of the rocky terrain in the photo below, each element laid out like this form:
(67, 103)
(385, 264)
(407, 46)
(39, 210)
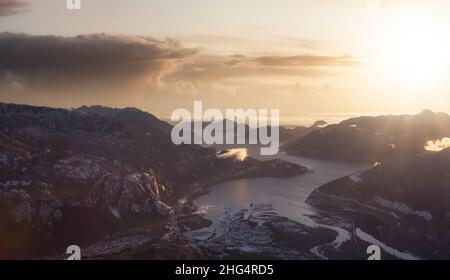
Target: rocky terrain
(112, 182)
(370, 139)
(259, 233)
(84, 175)
(404, 201)
(254, 233)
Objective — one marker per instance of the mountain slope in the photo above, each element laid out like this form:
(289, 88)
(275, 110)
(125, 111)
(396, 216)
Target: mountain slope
(69, 176)
(372, 139)
(404, 200)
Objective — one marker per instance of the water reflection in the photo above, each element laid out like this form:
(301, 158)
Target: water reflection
(288, 195)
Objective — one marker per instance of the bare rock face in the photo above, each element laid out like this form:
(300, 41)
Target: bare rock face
(137, 193)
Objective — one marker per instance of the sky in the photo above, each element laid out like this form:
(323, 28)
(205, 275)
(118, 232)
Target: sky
(304, 57)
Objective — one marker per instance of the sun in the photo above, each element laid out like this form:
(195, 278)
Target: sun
(414, 51)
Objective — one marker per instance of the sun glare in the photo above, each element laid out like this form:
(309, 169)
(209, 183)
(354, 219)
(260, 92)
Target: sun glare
(415, 52)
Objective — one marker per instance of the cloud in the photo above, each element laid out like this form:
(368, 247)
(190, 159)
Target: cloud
(261, 40)
(49, 62)
(214, 68)
(122, 70)
(437, 145)
(46, 61)
(238, 154)
(10, 81)
(11, 7)
(302, 60)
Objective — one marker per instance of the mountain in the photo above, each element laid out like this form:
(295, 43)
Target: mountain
(286, 133)
(136, 119)
(77, 176)
(297, 132)
(404, 200)
(370, 139)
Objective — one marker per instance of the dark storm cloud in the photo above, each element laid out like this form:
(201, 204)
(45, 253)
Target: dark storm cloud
(47, 60)
(11, 7)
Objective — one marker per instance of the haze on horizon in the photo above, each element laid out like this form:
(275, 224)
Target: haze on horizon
(303, 57)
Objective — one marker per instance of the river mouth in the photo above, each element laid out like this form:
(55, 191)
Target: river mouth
(286, 195)
(230, 204)
(233, 206)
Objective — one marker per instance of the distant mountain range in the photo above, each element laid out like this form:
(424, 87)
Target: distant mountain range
(371, 139)
(286, 134)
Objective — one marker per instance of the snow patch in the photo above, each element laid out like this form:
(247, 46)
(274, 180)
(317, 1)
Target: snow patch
(403, 208)
(115, 213)
(16, 183)
(370, 239)
(356, 178)
(203, 210)
(201, 234)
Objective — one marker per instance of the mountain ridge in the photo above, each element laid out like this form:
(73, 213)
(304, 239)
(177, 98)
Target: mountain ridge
(370, 139)
(69, 176)
(403, 200)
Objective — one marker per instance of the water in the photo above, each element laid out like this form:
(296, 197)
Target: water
(287, 195)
